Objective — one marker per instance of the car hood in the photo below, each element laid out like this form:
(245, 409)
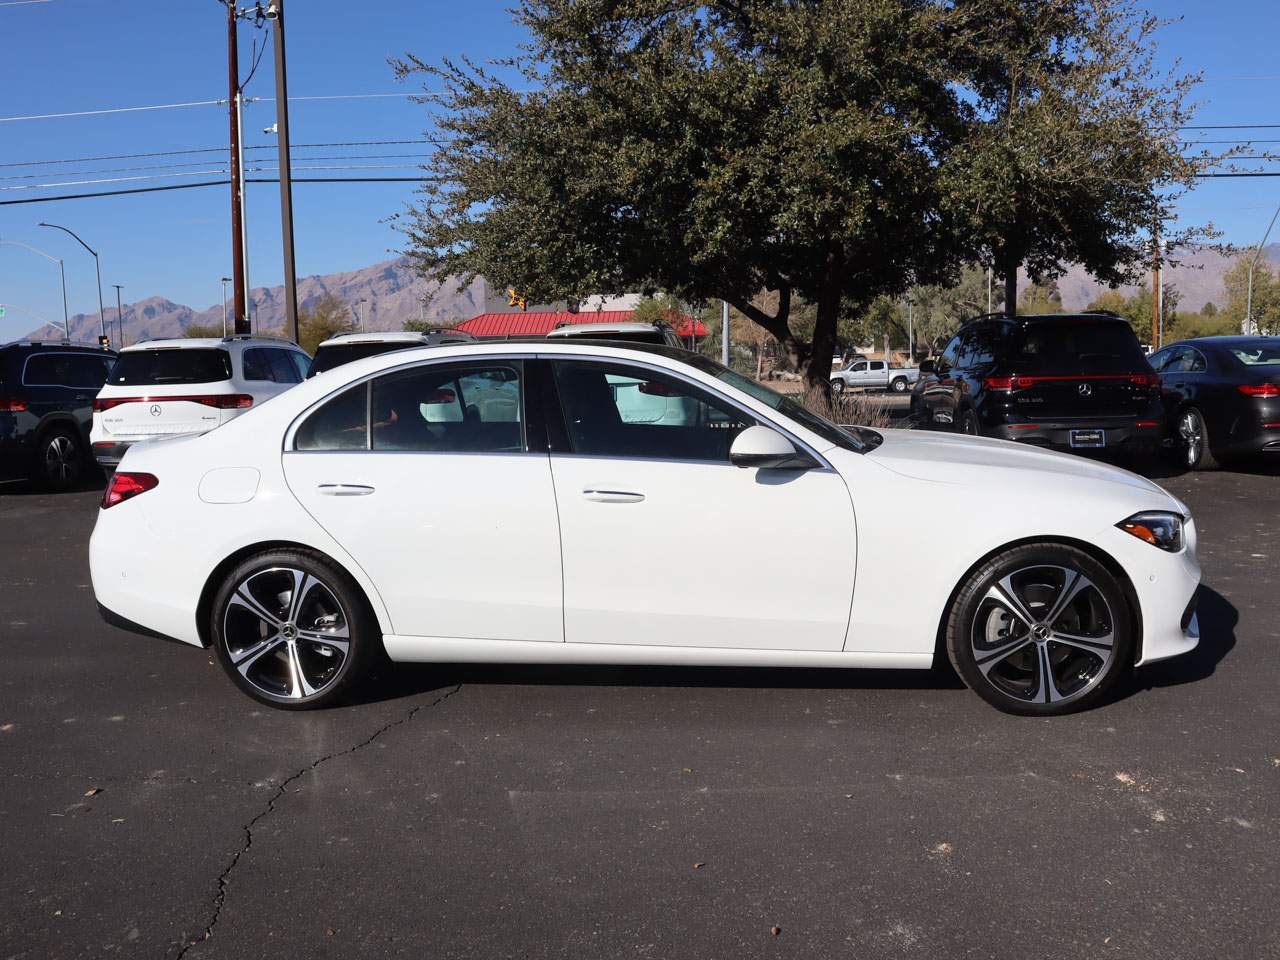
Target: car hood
(952, 459)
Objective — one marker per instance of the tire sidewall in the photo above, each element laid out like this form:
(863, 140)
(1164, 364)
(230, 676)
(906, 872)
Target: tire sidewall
(899, 385)
(362, 626)
(77, 459)
(969, 597)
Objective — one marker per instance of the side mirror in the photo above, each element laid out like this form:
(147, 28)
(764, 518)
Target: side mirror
(767, 449)
(927, 366)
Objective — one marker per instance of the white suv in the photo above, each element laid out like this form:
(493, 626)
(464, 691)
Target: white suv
(173, 388)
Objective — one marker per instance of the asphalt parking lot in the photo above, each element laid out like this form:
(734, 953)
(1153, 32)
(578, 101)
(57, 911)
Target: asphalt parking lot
(150, 809)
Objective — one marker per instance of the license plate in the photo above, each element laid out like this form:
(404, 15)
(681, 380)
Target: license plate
(1088, 438)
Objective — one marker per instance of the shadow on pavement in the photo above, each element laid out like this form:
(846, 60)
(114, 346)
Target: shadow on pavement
(1218, 618)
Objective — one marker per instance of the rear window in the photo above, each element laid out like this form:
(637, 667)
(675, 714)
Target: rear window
(335, 356)
(174, 365)
(1259, 353)
(1076, 347)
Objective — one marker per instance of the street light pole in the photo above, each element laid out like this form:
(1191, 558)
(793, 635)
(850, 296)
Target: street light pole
(1248, 309)
(361, 303)
(119, 313)
(724, 332)
(225, 281)
(62, 270)
(97, 265)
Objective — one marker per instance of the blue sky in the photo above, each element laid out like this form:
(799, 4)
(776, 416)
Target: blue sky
(72, 55)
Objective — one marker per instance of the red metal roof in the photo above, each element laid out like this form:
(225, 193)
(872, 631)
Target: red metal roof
(540, 323)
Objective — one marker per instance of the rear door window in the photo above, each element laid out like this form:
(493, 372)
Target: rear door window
(450, 408)
(257, 365)
(282, 368)
(1076, 347)
(171, 365)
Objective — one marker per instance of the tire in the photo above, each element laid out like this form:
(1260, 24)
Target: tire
(293, 659)
(1194, 442)
(968, 424)
(60, 459)
(837, 387)
(1003, 630)
(899, 385)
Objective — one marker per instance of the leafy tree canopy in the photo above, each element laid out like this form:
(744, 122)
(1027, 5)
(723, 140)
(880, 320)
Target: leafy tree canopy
(322, 318)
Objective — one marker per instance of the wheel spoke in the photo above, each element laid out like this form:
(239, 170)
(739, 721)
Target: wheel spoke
(252, 655)
(339, 643)
(1049, 692)
(298, 685)
(242, 598)
(1074, 584)
(1099, 646)
(1004, 594)
(987, 659)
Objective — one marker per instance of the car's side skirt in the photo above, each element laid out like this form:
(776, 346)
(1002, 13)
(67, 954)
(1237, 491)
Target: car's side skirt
(462, 650)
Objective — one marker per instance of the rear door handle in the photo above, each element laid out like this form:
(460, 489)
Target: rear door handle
(600, 495)
(344, 489)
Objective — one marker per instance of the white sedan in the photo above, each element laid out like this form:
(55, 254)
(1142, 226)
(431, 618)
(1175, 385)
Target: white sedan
(524, 502)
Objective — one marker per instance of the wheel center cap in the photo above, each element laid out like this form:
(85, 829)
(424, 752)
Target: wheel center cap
(289, 632)
(1040, 632)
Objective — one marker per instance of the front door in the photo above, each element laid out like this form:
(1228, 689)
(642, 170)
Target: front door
(665, 542)
(425, 478)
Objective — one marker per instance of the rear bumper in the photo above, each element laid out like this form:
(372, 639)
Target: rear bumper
(1127, 434)
(109, 453)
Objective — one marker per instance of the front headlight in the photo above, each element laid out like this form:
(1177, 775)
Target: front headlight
(1160, 529)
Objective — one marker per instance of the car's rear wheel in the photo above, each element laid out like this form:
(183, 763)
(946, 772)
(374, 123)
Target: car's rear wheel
(899, 385)
(293, 630)
(1040, 630)
(1193, 441)
(59, 459)
(968, 424)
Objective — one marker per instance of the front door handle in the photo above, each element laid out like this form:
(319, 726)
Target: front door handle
(612, 496)
(344, 489)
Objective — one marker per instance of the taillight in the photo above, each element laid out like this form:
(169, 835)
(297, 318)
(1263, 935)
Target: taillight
(1009, 383)
(1261, 390)
(126, 486)
(220, 401)
(1145, 379)
(12, 406)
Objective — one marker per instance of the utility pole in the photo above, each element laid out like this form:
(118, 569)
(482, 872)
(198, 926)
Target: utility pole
(225, 281)
(240, 289)
(361, 303)
(724, 332)
(119, 314)
(989, 300)
(1155, 292)
(102, 313)
(275, 12)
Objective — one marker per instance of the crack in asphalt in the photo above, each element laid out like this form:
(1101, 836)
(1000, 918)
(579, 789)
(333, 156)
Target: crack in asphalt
(224, 878)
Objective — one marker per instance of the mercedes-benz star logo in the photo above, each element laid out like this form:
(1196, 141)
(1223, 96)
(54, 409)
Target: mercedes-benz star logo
(1085, 389)
(155, 409)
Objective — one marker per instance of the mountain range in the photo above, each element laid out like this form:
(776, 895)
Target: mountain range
(393, 294)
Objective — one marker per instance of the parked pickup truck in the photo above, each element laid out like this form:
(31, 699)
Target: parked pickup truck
(875, 374)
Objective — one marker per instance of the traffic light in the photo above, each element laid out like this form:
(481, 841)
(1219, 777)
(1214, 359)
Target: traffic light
(517, 299)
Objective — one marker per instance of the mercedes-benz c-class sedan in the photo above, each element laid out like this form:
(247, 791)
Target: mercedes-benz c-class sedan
(593, 503)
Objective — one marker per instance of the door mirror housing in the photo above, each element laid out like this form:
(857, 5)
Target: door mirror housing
(927, 366)
(767, 449)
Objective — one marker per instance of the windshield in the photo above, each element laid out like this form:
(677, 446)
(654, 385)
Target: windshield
(139, 368)
(328, 357)
(823, 427)
(1076, 346)
(1258, 353)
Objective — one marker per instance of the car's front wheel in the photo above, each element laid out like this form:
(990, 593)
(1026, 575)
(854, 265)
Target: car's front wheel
(293, 630)
(837, 386)
(1040, 630)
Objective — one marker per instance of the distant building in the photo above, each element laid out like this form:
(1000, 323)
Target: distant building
(538, 323)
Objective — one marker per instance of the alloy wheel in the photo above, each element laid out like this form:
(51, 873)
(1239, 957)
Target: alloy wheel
(1043, 634)
(286, 634)
(1191, 432)
(61, 459)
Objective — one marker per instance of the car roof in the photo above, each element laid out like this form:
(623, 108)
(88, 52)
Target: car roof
(183, 343)
(575, 329)
(1236, 340)
(78, 345)
(1090, 316)
(389, 336)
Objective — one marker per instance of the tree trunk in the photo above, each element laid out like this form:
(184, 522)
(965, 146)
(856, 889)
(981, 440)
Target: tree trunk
(1010, 270)
(816, 367)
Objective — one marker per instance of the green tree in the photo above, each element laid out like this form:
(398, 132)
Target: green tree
(712, 150)
(322, 318)
(202, 330)
(1266, 294)
(1040, 298)
(1072, 153)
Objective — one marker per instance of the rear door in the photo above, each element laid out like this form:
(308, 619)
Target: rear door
(425, 477)
(1079, 369)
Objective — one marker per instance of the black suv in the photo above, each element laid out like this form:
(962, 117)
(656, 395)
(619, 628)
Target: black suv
(46, 409)
(1070, 382)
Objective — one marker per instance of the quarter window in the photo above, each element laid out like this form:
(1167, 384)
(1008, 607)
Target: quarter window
(341, 424)
(613, 410)
(476, 408)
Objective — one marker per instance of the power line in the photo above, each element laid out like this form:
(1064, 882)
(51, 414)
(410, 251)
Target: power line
(211, 183)
(204, 103)
(194, 150)
(201, 163)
